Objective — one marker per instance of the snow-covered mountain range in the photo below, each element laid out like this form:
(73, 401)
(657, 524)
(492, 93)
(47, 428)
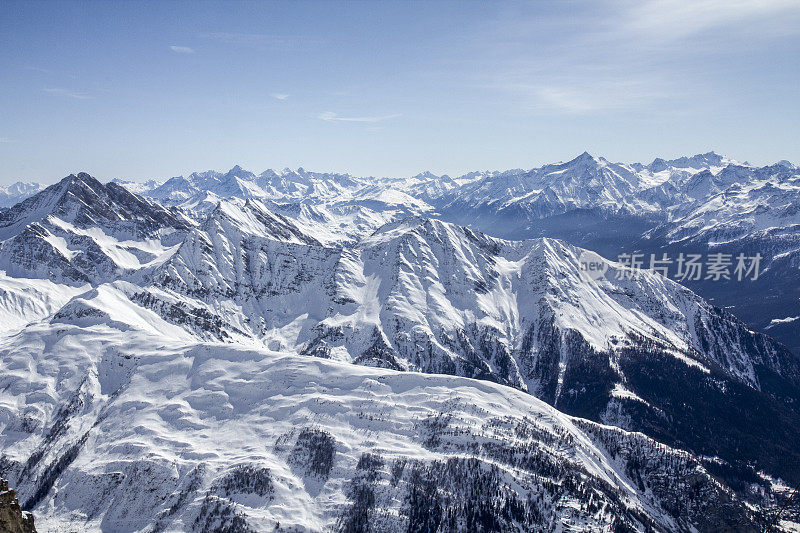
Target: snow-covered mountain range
(702, 204)
(305, 351)
(16, 192)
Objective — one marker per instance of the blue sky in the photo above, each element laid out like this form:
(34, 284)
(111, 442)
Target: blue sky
(152, 90)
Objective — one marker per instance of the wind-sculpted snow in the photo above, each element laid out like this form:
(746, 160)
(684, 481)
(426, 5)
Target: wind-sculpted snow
(125, 431)
(23, 301)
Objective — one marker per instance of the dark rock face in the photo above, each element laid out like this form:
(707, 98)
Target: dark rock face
(12, 518)
(713, 415)
(245, 479)
(218, 514)
(708, 413)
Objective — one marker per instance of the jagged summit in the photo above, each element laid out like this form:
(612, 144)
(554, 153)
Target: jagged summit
(82, 200)
(238, 172)
(255, 219)
(425, 175)
(698, 161)
(584, 157)
(80, 230)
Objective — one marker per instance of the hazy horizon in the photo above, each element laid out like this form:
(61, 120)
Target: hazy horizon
(259, 170)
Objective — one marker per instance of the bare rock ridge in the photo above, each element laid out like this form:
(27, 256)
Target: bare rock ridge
(12, 518)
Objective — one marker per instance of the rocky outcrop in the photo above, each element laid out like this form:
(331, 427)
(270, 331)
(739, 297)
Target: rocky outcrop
(12, 518)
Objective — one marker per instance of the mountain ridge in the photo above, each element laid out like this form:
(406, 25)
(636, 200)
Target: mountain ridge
(130, 322)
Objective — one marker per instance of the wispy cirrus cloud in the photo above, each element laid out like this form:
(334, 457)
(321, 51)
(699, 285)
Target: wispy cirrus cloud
(67, 92)
(279, 96)
(333, 117)
(670, 20)
(181, 49)
(626, 54)
(581, 93)
(5, 140)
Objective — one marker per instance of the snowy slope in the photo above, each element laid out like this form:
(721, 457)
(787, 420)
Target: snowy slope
(255, 272)
(127, 431)
(339, 223)
(424, 295)
(196, 361)
(80, 231)
(23, 301)
(427, 294)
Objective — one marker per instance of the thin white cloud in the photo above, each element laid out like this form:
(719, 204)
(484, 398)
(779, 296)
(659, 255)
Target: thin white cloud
(279, 96)
(66, 92)
(580, 94)
(333, 117)
(669, 20)
(6, 140)
(181, 49)
(569, 99)
(624, 54)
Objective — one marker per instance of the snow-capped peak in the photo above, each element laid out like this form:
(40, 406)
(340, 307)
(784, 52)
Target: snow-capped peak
(139, 376)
